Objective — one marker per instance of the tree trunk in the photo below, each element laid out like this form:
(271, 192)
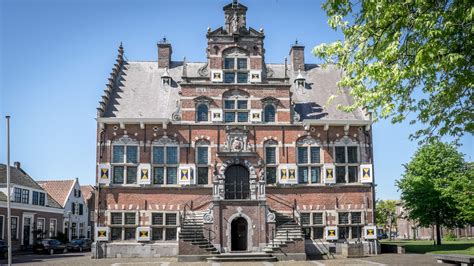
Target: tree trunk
(438, 234)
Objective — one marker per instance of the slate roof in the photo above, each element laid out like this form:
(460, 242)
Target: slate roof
(21, 178)
(58, 189)
(140, 93)
(87, 191)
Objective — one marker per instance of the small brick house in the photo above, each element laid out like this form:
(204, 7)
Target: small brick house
(34, 213)
(201, 159)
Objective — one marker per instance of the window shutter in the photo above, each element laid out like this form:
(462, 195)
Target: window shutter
(81, 209)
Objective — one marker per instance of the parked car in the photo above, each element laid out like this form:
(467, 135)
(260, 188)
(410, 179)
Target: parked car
(49, 246)
(79, 244)
(3, 249)
(382, 236)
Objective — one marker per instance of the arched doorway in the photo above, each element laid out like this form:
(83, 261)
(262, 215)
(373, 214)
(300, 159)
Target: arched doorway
(239, 234)
(237, 185)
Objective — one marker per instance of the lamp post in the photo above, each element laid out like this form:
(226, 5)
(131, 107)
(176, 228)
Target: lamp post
(69, 226)
(9, 222)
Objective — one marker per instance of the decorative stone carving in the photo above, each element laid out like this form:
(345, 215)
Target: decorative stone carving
(271, 217)
(203, 71)
(165, 140)
(125, 139)
(308, 140)
(237, 141)
(220, 182)
(208, 218)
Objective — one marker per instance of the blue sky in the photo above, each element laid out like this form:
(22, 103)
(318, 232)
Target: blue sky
(56, 56)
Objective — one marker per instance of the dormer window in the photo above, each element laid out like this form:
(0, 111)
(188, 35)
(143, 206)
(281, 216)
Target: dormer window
(166, 78)
(300, 80)
(236, 70)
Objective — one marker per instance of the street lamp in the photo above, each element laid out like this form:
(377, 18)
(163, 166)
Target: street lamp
(69, 226)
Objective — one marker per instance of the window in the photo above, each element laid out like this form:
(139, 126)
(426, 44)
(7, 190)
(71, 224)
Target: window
(313, 225)
(346, 164)
(130, 218)
(343, 218)
(308, 161)
(202, 161)
(40, 227)
(125, 162)
(14, 227)
(269, 113)
(164, 226)
(25, 196)
(1, 226)
(271, 161)
(350, 225)
(53, 225)
(123, 221)
(116, 218)
(81, 209)
(202, 113)
(81, 229)
(42, 200)
(236, 110)
(165, 163)
(17, 195)
(116, 233)
(235, 70)
(35, 200)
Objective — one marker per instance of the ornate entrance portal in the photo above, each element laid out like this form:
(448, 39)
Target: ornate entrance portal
(239, 234)
(237, 183)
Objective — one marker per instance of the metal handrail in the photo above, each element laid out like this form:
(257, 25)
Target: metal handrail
(190, 204)
(209, 231)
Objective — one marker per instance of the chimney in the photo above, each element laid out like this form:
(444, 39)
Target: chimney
(17, 165)
(297, 56)
(164, 54)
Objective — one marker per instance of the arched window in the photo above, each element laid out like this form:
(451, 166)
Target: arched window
(202, 112)
(269, 113)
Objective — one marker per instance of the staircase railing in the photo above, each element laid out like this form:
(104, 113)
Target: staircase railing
(189, 205)
(320, 242)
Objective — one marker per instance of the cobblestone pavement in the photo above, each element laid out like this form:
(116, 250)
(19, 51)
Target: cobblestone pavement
(72, 259)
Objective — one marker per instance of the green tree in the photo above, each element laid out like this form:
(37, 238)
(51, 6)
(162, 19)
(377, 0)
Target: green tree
(385, 215)
(407, 57)
(427, 189)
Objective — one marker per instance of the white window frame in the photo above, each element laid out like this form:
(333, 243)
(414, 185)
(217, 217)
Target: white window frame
(312, 225)
(263, 112)
(164, 226)
(235, 110)
(308, 142)
(122, 226)
(350, 225)
(199, 144)
(272, 144)
(125, 142)
(165, 142)
(346, 164)
(17, 225)
(53, 234)
(236, 69)
(3, 228)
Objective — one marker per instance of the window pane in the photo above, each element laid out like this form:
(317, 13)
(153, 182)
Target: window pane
(317, 218)
(202, 113)
(340, 155)
(171, 173)
(305, 218)
(171, 233)
(158, 175)
(116, 218)
(352, 154)
(171, 219)
(158, 155)
(130, 218)
(132, 154)
(356, 232)
(269, 114)
(229, 77)
(315, 174)
(242, 104)
(307, 232)
(343, 232)
(42, 201)
(270, 174)
(229, 117)
(35, 198)
(229, 63)
(353, 178)
(318, 232)
(242, 63)
(17, 194)
(242, 77)
(116, 233)
(172, 155)
(131, 175)
(203, 173)
(202, 155)
(129, 233)
(343, 218)
(340, 174)
(25, 197)
(229, 104)
(270, 155)
(118, 175)
(157, 218)
(302, 174)
(302, 155)
(243, 117)
(118, 154)
(315, 155)
(356, 218)
(157, 234)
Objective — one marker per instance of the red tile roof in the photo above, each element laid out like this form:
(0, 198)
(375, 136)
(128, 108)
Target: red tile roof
(58, 189)
(86, 191)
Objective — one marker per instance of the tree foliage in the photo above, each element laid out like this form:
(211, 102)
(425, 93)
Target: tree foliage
(437, 187)
(407, 57)
(385, 214)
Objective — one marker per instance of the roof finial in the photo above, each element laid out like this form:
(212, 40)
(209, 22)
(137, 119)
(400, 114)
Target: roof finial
(185, 68)
(296, 41)
(120, 50)
(235, 2)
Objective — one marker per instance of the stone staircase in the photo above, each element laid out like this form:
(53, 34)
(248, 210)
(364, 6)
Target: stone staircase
(287, 232)
(192, 231)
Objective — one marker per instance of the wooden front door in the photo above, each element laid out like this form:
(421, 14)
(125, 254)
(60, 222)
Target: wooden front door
(239, 234)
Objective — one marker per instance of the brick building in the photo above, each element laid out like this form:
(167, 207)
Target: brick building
(88, 192)
(34, 213)
(198, 159)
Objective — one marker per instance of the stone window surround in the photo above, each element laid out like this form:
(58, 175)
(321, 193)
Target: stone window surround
(123, 225)
(163, 226)
(235, 110)
(197, 144)
(235, 70)
(347, 164)
(312, 225)
(270, 101)
(165, 142)
(308, 142)
(124, 141)
(274, 144)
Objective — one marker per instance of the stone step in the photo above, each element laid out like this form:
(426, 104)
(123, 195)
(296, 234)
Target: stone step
(242, 257)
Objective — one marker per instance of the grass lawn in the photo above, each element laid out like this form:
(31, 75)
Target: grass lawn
(465, 247)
